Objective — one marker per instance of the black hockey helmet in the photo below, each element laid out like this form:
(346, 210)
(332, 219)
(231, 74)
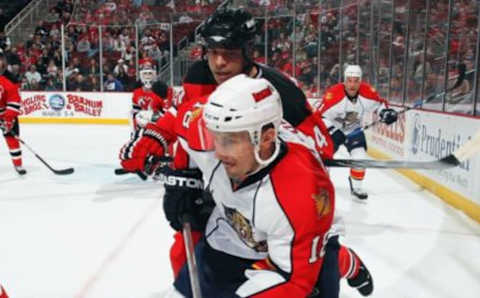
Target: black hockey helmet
(228, 28)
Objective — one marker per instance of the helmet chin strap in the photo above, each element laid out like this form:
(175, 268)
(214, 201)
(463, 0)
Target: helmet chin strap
(265, 162)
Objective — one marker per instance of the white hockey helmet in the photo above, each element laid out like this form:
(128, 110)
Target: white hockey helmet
(353, 71)
(148, 74)
(245, 104)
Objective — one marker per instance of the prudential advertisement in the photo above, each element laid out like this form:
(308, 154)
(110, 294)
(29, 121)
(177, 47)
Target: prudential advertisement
(433, 136)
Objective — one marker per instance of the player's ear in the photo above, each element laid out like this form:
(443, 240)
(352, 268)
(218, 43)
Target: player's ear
(268, 136)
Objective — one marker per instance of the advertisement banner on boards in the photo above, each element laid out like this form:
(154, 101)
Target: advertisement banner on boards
(390, 139)
(75, 104)
(435, 135)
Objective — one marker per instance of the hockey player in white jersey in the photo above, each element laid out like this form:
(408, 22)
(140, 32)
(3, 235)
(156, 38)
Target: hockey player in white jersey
(274, 200)
(343, 107)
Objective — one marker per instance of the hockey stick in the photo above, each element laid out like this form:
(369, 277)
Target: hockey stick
(122, 171)
(152, 162)
(465, 151)
(58, 172)
(191, 260)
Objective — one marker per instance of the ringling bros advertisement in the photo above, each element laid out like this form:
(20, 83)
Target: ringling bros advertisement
(425, 136)
(75, 105)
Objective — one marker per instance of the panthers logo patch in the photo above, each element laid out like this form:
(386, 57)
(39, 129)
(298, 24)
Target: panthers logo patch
(322, 203)
(244, 229)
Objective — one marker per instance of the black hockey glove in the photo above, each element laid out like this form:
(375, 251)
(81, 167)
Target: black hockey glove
(388, 116)
(184, 195)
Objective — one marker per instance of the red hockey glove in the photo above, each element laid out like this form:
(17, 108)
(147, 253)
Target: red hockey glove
(9, 119)
(144, 143)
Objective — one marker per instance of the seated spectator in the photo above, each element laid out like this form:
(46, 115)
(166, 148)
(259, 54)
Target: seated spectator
(122, 76)
(33, 76)
(41, 30)
(52, 84)
(128, 54)
(83, 45)
(92, 82)
(92, 68)
(112, 84)
(78, 83)
(54, 31)
(120, 65)
(52, 69)
(70, 71)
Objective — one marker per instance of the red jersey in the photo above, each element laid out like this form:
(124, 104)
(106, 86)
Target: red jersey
(9, 96)
(147, 100)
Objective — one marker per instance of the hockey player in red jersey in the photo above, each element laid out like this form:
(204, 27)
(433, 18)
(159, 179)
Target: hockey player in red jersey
(151, 99)
(227, 36)
(9, 111)
(3, 293)
(274, 199)
(343, 107)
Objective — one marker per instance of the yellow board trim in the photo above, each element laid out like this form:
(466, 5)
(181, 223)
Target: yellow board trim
(108, 121)
(449, 196)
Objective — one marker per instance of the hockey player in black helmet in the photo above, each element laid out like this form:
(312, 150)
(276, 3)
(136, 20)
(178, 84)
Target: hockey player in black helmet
(227, 37)
(232, 30)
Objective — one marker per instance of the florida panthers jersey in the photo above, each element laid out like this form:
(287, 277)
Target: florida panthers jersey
(346, 114)
(281, 213)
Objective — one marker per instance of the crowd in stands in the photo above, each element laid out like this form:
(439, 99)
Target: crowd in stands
(38, 61)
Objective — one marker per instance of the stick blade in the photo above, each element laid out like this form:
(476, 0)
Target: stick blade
(121, 171)
(64, 171)
(470, 148)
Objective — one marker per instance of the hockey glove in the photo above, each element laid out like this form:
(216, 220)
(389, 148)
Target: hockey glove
(143, 118)
(8, 121)
(388, 116)
(184, 194)
(144, 143)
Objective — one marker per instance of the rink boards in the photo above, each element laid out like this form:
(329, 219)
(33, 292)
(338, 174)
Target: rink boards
(426, 135)
(417, 135)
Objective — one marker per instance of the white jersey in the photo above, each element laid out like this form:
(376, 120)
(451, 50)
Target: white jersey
(278, 213)
(346, 114)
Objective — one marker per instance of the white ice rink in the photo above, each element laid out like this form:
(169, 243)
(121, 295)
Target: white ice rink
(93, 234)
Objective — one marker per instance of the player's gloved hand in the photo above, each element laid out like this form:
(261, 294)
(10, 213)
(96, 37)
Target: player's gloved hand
(184, 195)
(143, 117)
(8, 121)
(388, 116)
(145, 142)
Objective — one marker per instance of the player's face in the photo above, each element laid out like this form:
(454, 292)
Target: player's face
(352, 84)
(225, 63)
(235, 151)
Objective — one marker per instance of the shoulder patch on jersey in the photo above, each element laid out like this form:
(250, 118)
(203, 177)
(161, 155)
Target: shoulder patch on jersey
(322, 203)
(329, 96)
(196, 113)
(373, 89)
